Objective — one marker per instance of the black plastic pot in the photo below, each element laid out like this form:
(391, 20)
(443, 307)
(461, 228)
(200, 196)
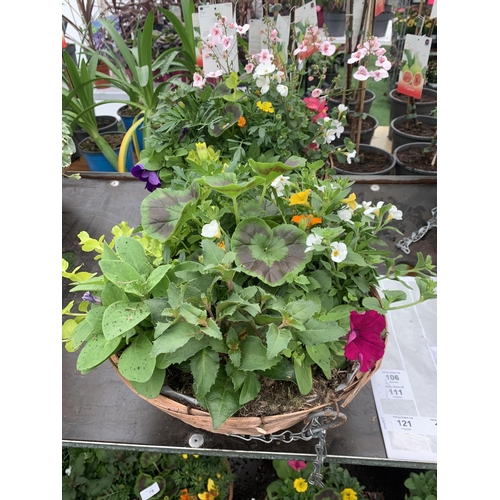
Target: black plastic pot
(399, 136)
(406, 168)
(388, 170)
(398, 107)
(381, 23)
(335, 23)
(366, 135)
(369, 98)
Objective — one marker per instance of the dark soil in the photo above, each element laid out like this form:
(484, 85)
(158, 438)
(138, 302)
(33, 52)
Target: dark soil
(415, 157)
(128, 111)
(113, 139)
(370, 162)
(102, 122)
(416, 128)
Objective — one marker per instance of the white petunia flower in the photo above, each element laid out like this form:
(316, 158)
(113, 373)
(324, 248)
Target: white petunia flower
(211, 230)
(345, 214)
(394, 213)
(279, 184)
(339, 251)
(313, 239)
(368, 209)
(350, 156)
(282, 90)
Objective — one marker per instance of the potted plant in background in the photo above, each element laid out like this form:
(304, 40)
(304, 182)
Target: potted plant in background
(100, 151)
(371, 62)
(334, 16)
(102, 473)
(292, 482)
(417, 158)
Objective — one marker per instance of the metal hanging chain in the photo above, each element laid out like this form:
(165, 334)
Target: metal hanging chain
(316, 426)
(405, 243)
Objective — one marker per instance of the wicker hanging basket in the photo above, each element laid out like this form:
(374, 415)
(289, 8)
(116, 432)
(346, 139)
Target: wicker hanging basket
(253, 426)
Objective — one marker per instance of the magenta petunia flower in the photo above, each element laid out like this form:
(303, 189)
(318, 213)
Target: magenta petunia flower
(296, 464)
(364, 341)
(148, 176)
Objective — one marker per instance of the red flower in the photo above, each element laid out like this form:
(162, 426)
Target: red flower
(316, 104)
(364, 342)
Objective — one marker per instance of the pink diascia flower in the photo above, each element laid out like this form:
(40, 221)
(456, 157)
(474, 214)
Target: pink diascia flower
(249, 68)
(316, 93)
(198, 80)
(296, 464)
(216, 33)
(326, 48)
(362, 74)
(242, 29)
(364, 341)
(379, 74)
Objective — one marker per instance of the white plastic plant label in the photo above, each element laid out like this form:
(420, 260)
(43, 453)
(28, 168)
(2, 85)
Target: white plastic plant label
(150, 491)
(414, 65)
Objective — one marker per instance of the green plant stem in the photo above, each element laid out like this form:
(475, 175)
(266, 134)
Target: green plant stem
(236, 212)
(407, 305)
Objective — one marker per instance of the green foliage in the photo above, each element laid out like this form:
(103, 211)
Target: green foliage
(121, 475)
(422, 486)
(290, 483)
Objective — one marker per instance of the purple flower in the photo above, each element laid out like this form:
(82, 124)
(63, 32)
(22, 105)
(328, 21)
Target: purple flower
(149, 177)
(296, 464)
(87, 296)
(364, 342)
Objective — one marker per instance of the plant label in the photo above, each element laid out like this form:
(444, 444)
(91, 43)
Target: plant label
(150, 491)
(414, 65)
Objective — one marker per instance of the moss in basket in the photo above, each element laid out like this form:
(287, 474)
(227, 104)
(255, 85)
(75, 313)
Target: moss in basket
(240, 276)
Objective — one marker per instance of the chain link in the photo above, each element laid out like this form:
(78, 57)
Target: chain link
(405, 243)
(315, 427)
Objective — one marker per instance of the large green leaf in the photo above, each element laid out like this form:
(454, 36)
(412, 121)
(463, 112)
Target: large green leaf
(151, 389)
(165, 210)
(132, 252)
(231, 113)
(222, 401)
(320, 332)
(277, 340)
(270, 254)
(254, 355)
(97, 350)
(277, 167)
(136, 362)
(227, 183)
(80, 334)
(121, 316)
(204, 368)
(250, 388)
(120, 273)
(174, 338)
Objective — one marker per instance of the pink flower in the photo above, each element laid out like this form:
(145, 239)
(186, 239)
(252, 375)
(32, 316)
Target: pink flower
(364, 342)
(297, 464)
(226, 42)
(362, 74)
(198, 80)
(265, 56)
(316, 93)
(379, 74)
(315, 104)
(383, 62)
(326, 48)
(357, 56)
(215, 33)
(242, 29)
(249, 68)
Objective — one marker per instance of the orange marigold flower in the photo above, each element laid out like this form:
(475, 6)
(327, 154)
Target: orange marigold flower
(311, 221)
(222, 245)
(242, 122)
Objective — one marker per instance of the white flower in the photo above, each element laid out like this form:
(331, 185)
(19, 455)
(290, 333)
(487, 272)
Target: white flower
(316, 93)
(350, 156)
(339, 251)
(345, 214)
(68, 471)
(394, 213)
(279, 184)
(282, 90)
(368, 209)
(342, 108)
(198, 80)
(264, 69)
(211, 230)
(380, 204)
(313, 239)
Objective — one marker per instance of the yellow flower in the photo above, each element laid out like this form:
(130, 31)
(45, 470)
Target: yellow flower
(201, 149)
(267, 106)
(242, 122)
(184, 456)
(222, 245)
(351, 201)
(211, 493)
(196, 456)
(348, 494)
(300, 484)
(300, 198)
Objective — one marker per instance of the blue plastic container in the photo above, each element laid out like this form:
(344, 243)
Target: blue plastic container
(97, 162)
(127, 123)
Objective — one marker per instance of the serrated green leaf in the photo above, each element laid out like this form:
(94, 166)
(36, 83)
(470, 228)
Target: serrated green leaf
(189, 349)
(302, 310)
(320, 354)
(277, 340)
(212, 329)
(204, 368)
(213, 254)
(254, 355)
(222, 400)
(250, 388)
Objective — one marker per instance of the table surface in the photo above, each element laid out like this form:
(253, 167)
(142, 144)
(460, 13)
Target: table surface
(98, 410)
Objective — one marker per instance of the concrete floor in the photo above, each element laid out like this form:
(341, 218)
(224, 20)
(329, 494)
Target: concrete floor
(381, 139)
